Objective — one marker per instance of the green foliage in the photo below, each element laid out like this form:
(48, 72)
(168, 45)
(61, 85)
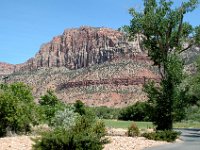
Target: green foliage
(164, 33)
(168, 100)
(137, 112)
(49, 99)
(197, 37)
(166, 135)
(49, 105)
(84, 111)
(99, 128)
(104, 112)
(193, 114)
(194, 84)
(86, 133)
(17, 108)
(192, 96)
(65, 118)
(79, 107)
(133, 130)
(60, 139)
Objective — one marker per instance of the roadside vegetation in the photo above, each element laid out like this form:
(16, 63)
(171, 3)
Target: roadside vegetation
(57, 125)
(164, 34)
(76, 126)
(73, 128)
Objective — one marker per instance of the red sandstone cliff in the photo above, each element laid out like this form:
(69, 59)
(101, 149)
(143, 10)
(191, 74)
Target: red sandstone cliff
(81, 47)
(112, 69)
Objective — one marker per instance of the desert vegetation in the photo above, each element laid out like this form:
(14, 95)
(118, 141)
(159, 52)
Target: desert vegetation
(174, 101)
(68, 126)
(74, 126)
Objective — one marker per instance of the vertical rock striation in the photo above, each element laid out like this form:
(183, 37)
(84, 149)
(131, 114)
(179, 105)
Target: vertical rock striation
(81, 47)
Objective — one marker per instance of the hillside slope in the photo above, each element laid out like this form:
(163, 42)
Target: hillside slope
(96, 65)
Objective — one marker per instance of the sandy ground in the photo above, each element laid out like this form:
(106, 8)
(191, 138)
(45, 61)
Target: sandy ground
(117, 143)
(16, 143)
(130, 143)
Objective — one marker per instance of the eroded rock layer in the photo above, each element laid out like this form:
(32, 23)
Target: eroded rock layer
(82, 47)
(101, 60)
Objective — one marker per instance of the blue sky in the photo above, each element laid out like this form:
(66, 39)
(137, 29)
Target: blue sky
(26, 24)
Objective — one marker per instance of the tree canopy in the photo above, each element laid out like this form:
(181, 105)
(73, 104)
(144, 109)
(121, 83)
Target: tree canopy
(165, 36)
(17, 108)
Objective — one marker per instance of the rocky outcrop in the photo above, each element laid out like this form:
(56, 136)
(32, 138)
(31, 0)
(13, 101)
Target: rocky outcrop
(6, 69)
(82, 47)
(96, 65)
(114, 81)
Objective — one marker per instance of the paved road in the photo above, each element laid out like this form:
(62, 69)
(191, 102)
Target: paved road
(191, 141)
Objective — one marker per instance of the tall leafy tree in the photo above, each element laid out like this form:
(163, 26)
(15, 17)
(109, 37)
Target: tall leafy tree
(165, 36)
(17, 108)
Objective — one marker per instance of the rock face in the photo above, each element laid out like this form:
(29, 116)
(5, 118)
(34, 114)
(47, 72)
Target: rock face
(81, 47)
(96, 65)
(6, 69)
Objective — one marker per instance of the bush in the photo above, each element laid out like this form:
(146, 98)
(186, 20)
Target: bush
(49, 99)
(61, 139)
(82, 110)
(80, 107)
(17, 109)
(99, 129)
(49, 105)
(85, 134)
(65, 118)
(193, 113)
(104, 112)
(133, 130)
(137, 112)
(166, 135)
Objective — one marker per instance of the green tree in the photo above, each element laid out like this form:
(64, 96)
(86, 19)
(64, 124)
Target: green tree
(49, 99)
(17, 108)
(165, 36)
(80, 107)
(137, 112)
(49, 105)
(194, 83)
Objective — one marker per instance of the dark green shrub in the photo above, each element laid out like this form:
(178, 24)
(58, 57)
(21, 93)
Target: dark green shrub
(104, 112)
(86, 134)
(141, 111)
(99, 128)
(133, 130)
(57, 139)
(17, 109)
(83, 136)
(80, 107)
(49, 99)
(49, 105)
(193, 113)
(82, 110)
(166, 135)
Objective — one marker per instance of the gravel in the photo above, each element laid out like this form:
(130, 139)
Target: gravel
(130, 143)
(16, 143)
(116, 143)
